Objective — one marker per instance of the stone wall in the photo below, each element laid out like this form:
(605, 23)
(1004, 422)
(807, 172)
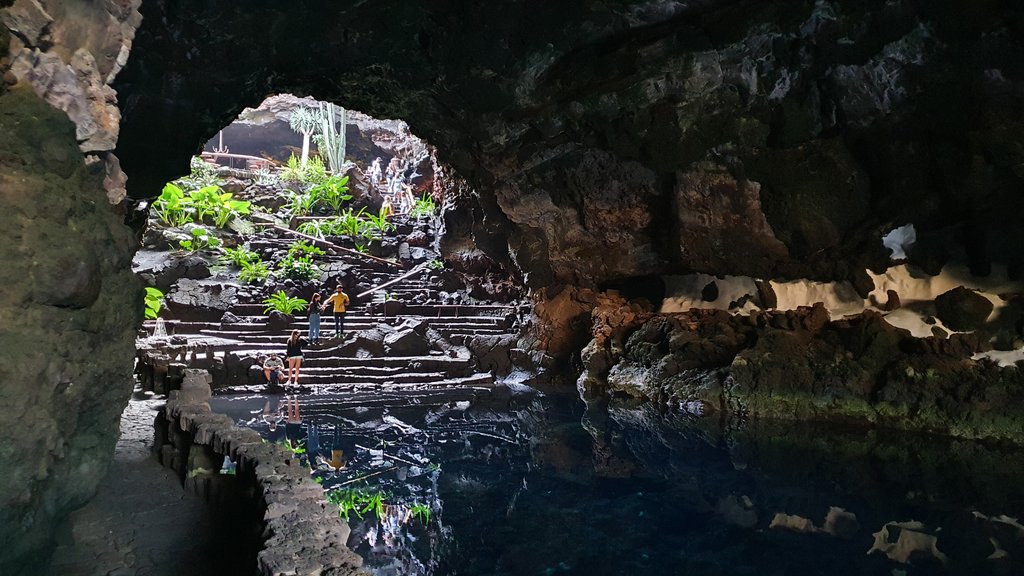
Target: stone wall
(303, 533)
(69, 308)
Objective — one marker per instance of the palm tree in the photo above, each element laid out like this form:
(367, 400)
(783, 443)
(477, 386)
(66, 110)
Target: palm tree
(304, 121)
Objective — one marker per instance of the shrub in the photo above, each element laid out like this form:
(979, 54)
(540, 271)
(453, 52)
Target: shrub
(239, 256)
(298, 268)
(281, 302)
(331, 193)
(172, 207)
(253, 272)
(379, 223)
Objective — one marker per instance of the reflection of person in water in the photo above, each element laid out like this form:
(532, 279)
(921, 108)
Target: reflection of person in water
(272, 417)
(293, 424)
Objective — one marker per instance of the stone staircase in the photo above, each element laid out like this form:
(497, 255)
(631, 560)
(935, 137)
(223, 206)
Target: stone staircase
(234, 348)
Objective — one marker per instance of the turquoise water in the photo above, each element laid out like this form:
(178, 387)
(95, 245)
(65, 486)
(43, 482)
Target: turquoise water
(544, 487)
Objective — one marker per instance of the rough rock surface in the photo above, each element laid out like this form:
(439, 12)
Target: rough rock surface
(69, 310)
(799, 365)
(962, 309)
(70, 53)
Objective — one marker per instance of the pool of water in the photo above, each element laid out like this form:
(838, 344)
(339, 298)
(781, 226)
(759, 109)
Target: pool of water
(544, 486)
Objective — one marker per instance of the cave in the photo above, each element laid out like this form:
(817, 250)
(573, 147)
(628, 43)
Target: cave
(747, 249)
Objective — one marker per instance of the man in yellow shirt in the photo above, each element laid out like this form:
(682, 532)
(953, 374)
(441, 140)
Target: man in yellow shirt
(340, 301)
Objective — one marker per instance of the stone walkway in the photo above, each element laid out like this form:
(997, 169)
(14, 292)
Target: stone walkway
(142, 522)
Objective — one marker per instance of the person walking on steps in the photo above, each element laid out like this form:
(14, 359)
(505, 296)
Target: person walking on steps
(340, 301)
(295, 356)
(314, 319)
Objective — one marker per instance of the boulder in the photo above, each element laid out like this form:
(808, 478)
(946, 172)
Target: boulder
(492, 351)
(279, 321)
(200, 300)
(962, 309)
(406, 342)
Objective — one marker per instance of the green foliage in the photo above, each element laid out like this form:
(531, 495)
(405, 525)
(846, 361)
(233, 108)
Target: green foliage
(421, 512)
(283, 303)
(293, 171)
(201, 240)
(154, 301)
(172, 207)
(362, 249)
(252, 272)
(348, 223)
(264, 177)
(300, 204)
(298, 449)
(298, 268)
(316, 228)
(423, 207)
(435, 264)
(379, 223)
(301, 247)
(358, 501)
(331, 192)
(315, 172)
(239, 256)
(175, 208)
(331, 139)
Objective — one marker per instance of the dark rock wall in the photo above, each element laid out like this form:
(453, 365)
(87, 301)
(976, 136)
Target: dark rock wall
(68, 312)
(774, 139)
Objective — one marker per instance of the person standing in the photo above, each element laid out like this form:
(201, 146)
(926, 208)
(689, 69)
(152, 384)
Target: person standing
(294, 356)
(340, 301)
(314, 319)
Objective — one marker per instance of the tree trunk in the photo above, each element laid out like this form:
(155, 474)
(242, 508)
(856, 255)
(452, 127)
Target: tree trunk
(305, 148)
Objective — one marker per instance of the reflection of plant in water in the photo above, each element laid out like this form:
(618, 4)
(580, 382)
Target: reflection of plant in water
(420, 511)
(298, 449)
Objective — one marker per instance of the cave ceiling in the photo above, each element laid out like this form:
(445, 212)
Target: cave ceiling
(613, 139)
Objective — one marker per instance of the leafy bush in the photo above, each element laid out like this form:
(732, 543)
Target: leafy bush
(331, 193)
(293, 171)
(435, 264)
(283, 303)
(252, 272)
(172, 207)
(300, 204)
(201, 240)
(239, 256)
(420, 511)
(154, 301)
(264, 177)
(298, 268)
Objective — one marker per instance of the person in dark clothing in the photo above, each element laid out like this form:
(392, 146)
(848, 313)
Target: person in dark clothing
(294, 355)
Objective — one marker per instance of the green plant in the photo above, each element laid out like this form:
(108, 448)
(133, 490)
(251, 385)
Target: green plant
(423, 207)
(362, 249)
(304, 120)
(201, 175)
(379, 223)
(332, 192)
(435, 264)
(302, 203)
(298, 449)
(304, 248)
(239, 256)
(420, 511)
(349, 224)
(201, 240)
(154, 301)
(358, 501)
(252, 272)
(316, 228)
(281, 302)
(172, 207)
(315, 172)
(293, 170)
(331, 139)
(298, 268)
(264, 177)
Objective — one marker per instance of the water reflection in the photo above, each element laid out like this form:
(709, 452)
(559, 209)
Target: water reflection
(556, 489)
